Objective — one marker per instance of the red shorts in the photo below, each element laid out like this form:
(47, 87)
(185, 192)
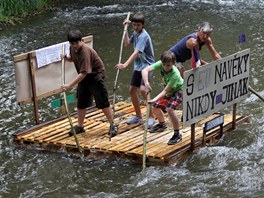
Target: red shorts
(169, 102)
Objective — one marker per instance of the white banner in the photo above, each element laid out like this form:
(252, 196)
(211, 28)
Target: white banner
(212, 87)
(51, 54)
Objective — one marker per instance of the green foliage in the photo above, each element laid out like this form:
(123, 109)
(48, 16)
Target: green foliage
(22, 8)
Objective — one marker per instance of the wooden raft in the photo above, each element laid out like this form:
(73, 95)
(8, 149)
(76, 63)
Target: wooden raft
(128, 143)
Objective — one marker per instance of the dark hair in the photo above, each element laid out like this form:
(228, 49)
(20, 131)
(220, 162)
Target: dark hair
(138, 18)
(74, 35)
(168, 56)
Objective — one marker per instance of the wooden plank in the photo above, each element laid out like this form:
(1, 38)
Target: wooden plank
(46, 130)
(160, 143)
(119, 139)
(21, 57)
(228, 121)
(98, 113)
(91, 132)
(156, 142)
(173, 148)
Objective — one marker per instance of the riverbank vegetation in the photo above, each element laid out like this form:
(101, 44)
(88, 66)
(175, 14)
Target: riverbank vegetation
(13, 11)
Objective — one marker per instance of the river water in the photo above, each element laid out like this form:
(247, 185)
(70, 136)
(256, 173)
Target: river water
(233, 168)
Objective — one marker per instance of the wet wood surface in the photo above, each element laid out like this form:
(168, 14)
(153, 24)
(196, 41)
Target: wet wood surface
(129, 141)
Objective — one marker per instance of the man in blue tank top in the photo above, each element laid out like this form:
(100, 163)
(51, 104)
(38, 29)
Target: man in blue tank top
(183, 49)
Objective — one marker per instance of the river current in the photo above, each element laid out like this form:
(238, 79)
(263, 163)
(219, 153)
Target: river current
(233, 168)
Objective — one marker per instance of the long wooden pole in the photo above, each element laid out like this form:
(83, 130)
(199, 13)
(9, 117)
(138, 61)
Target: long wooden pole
(65, 101)
(242, 39)
(255, 92)
(145, 134)
(119, 61)
(117, 74)
(34, 89)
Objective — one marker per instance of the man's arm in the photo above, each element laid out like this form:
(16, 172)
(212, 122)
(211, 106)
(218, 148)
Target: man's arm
(212, 50)
(145, 73)
(67, 58)
(129, 60)
(78, 79)
(191, 42)
(126, 40)
(161, 94)
(194, 43)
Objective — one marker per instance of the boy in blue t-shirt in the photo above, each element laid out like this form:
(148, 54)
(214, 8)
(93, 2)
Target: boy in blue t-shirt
(142, 56)
(170, 97)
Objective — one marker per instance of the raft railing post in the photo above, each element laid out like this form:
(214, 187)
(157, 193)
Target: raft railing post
(145, 133)
(221, 130)
(192, 137)
(204, 137)
(234, 116)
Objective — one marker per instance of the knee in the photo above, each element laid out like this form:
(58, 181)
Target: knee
(142, 92)
(154, 109)
(132, 90)
(170, 111)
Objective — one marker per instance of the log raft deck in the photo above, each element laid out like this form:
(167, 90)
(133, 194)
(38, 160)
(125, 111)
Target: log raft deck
(53, 136)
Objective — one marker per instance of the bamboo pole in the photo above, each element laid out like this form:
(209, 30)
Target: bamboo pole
(119, 61)
(66, 103)
(242, 39)
(145, 133)
(117, 73)
(255, 92)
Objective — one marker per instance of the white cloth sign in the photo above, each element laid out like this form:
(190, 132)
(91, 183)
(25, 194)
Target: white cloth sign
(51, 54)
